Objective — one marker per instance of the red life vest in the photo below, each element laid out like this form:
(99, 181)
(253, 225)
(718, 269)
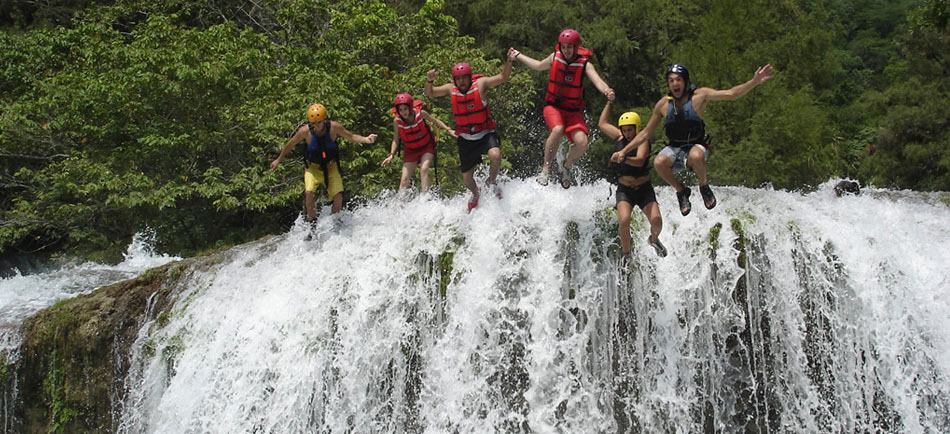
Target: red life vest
(566, 84)
(471, 113)
(415, 134)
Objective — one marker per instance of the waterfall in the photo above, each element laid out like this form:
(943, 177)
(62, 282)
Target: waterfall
(774, 312)
(22, 295)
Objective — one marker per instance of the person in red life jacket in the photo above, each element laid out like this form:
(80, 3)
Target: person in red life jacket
(564, 99)
(411, 127)
(632, 176)
(473, 122)
(682, 112)
(321, 157)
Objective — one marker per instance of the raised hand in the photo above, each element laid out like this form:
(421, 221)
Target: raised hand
(763, 74)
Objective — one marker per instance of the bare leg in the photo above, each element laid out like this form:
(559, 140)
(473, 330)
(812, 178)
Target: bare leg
(337, 203)
(494, 156)
(664, 168)
(469, 179)
(310, 204)
(623, 217)
(550, 146)
(424, 172)
(696, 161)
(577, 150)
(407, 169)
(652, 211)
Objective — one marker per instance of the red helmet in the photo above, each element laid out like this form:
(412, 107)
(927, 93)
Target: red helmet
(570, 36)
(461, 69)
(403, 98)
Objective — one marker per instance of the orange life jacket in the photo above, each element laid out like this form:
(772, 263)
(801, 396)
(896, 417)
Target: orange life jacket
(416, 133)
(471, 112)
(566, 84)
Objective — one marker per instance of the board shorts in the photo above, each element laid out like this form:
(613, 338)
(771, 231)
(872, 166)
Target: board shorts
(641, 195)
(678, 154)
(471, 151)
(571, 120)
(313, 178)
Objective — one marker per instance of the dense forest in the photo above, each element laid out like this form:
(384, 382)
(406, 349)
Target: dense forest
(164, 114)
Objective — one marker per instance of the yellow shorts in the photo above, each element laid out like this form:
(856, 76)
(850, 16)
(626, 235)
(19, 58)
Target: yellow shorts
(313, 178)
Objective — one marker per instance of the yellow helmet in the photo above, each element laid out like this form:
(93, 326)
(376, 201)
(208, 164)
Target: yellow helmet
(316, 113)
(629, 118)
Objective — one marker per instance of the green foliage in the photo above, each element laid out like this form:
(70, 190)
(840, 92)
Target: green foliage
(166, 114)
(913, 139)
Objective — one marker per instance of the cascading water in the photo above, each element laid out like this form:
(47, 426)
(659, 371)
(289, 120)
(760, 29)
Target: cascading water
(774, 312)
(23, 295)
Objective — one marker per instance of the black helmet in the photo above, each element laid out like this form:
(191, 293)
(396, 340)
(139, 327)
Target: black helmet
(677, 68)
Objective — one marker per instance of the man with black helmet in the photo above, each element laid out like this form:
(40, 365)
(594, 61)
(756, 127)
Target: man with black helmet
(564, 99)
(682, 112)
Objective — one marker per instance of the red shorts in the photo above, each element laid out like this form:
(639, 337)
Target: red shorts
(415, 155)
(572, 121)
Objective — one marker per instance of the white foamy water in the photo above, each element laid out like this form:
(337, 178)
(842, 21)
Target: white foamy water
(24, 295)
(837, 324)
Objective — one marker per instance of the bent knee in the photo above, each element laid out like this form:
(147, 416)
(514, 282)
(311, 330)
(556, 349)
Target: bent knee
(663, 161)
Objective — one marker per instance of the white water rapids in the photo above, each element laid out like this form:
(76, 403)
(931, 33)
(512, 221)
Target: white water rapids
(22, 295)
(838, 322)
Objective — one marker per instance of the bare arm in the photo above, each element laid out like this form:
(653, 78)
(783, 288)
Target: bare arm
(299, 136)
(537, 65)
(761, 75)
(437, 122)
(647, 132)
(643, 153)
(502, 77)
(338, 130)
(392, 147)
(598, 82)
(435, 91)
(604, 123)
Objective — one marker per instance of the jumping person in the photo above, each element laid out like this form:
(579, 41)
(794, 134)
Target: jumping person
(473, 122)
(321, 157)
(564, 100)
(682, 111)
(632, 176)
(411, 127)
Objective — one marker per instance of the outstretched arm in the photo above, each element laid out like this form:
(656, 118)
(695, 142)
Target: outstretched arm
(761, 75)
(502, 77)
(537, 65)
(337, 130)
(299, 136)
(598, 82)
(437, 122)
(435, 91)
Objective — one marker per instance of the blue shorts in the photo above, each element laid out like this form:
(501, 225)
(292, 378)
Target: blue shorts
(678, 155)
